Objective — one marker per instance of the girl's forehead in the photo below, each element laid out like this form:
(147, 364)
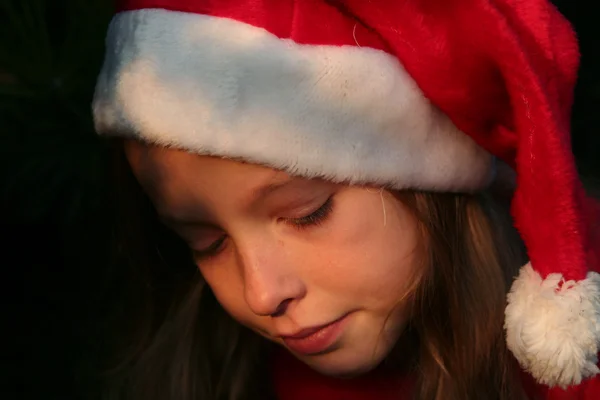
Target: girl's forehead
(163, 164)
(171, 177)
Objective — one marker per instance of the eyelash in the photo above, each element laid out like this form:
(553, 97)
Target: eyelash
(315, 218)
(211, 251)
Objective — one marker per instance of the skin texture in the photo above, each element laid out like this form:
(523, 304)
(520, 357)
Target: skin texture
(277, 274)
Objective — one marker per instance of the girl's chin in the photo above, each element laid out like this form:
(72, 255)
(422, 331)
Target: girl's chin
(340, 365)
(344, 372)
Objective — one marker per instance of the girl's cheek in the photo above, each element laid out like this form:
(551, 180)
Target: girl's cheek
(227, 287)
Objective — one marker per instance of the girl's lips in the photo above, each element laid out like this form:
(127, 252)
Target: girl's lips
(315, 340)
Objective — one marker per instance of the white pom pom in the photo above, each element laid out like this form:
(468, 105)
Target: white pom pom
(552, 329)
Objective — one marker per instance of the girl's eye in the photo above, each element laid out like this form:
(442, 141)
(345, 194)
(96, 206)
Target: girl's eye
(211, 250)
(315, 218)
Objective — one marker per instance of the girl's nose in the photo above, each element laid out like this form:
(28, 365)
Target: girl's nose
(270, 282)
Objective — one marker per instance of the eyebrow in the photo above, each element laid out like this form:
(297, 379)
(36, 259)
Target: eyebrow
(256, 195)
(181, 221)
(263, 191)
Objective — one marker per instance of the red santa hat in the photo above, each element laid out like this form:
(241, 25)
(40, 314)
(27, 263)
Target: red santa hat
(421, 94)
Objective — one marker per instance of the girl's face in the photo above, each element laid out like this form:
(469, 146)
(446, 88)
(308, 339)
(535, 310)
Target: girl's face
(320, 268)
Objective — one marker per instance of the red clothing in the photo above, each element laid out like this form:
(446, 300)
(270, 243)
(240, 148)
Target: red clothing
(294, 380)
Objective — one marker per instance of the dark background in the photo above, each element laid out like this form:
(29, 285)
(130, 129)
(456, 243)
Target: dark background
(54, 227)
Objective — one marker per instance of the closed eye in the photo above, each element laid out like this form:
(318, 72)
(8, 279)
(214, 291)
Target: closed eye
(211, 251)
(316, 217)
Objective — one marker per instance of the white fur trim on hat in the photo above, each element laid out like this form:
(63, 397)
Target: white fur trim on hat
(553, 326)
(220, 87)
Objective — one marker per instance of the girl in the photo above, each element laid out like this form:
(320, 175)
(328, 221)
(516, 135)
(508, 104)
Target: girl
(326, 186)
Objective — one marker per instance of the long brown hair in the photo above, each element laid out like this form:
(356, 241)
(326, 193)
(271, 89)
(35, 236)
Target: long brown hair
(179, 344)
(472, 253)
